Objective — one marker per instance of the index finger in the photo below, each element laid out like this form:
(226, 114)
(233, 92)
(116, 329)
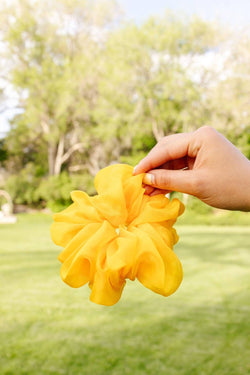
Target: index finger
(169, 148)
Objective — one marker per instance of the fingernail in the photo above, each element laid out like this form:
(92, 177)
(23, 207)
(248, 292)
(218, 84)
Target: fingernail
(149, 179)
(134, 170)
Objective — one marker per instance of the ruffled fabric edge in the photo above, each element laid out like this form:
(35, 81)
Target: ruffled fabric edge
(105, 255)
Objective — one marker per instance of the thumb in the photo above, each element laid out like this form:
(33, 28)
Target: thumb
(183, 181)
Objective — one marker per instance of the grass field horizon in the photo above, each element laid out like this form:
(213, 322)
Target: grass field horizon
(49, 328)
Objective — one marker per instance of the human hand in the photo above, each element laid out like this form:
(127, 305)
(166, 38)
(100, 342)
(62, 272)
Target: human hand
(202, 163)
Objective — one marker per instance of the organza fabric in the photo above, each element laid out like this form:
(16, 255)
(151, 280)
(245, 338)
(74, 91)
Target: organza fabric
(118, 234)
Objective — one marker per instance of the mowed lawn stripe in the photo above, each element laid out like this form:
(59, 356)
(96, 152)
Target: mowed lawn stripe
(47, 327)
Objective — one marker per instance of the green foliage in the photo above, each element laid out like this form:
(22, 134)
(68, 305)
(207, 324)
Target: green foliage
(244, 142)
(49, 328)
(198, 213)
(141, 145)
(22, 186)
(55, 190)
(195, 205)
(53, 73)
(153, 93)
(93, 90)
(3, 151)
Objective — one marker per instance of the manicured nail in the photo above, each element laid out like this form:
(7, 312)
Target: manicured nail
(149, 179)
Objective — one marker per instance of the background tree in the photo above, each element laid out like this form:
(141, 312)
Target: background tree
(148, 91)
(229, 99)
(54, 74)
(94, 89)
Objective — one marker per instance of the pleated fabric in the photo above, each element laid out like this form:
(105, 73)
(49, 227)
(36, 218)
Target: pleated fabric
(118, 234)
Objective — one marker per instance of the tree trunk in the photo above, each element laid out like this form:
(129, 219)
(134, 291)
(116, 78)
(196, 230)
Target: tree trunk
(157, 131)
(59, 156)
(93, 164)
(51, 157)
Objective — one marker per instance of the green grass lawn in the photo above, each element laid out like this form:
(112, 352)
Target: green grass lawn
(47, 327)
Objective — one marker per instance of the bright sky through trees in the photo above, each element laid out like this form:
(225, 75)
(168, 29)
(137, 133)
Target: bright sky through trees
(234, 13)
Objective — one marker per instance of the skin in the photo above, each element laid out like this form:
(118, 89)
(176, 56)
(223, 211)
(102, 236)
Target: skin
(202, 163)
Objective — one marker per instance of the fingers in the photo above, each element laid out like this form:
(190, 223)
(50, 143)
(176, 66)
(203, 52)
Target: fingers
(148, 189)
(168, 149)
(215, 171)
(174, 164)
(184, 181)
(158, 191)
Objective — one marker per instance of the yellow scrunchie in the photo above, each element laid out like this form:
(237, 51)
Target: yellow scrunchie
(116, 235)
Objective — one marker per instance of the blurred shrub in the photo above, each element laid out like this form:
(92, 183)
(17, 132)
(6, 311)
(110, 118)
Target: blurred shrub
(22, 186)
(192, 203)
(52, 192)
(199, 213)
(197, 206)
(132, 159)
(55, 190)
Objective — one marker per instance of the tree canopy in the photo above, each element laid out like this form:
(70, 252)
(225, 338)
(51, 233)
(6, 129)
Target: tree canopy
(94, 89)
